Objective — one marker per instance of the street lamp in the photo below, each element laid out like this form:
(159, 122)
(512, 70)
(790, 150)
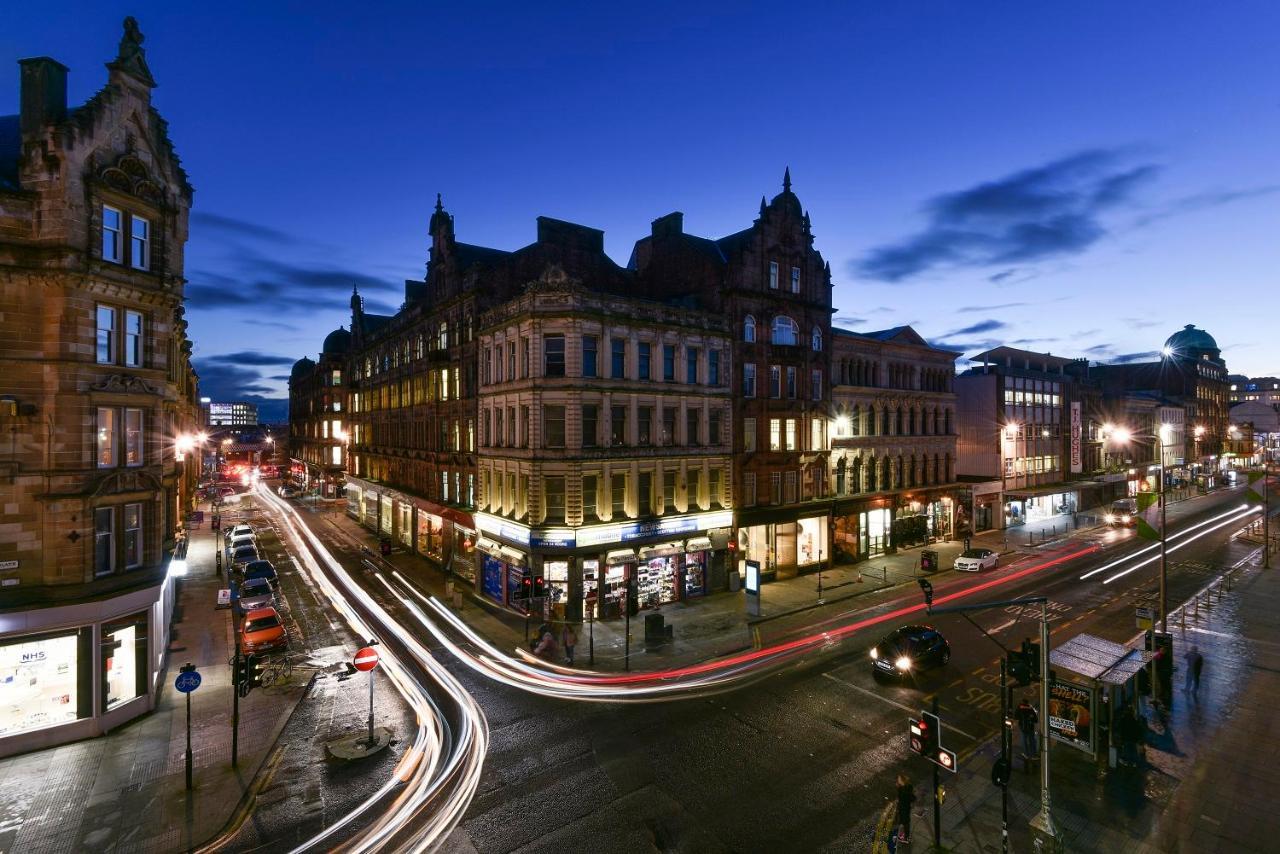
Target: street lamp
(1123, 436)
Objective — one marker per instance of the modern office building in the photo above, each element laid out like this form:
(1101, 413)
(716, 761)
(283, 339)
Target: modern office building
(235, 414)
(97, 401)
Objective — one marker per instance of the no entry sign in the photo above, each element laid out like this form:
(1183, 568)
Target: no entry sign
(366, 659)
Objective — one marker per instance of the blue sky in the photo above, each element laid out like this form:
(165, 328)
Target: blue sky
(1080, 178)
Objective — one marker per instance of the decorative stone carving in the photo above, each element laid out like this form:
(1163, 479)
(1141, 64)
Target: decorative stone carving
(128, 480)
(123, 384)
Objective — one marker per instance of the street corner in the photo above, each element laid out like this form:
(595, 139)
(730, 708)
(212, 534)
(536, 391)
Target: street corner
(359, 745)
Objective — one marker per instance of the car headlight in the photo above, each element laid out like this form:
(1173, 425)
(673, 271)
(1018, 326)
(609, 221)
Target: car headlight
(1125, 518)
(875, 653)
(1110, 517)
(903, 663)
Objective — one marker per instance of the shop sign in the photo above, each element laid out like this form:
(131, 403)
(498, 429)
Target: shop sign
(501, 527)
(8, 564)
(1071, 710)
(1076, 460)
(555, 538)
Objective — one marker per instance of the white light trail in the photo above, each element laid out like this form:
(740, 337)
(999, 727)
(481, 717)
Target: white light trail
(1186, 542)
(1174, 536)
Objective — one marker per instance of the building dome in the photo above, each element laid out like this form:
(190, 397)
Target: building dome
(302, 366)
(1190, 338)
(338, 342)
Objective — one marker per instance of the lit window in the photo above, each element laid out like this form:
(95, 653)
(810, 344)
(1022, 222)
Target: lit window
(140, 243)
(106, 335)
(133, 437)
(132, 536)
(111, 225)
(775, 434)
(106, 438)
(791, 434)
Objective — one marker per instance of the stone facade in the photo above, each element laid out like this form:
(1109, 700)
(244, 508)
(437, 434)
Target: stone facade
(98, 398)
(318, 418)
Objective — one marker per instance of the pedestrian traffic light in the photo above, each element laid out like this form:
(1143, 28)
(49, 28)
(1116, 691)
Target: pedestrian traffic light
(924, 734)
(526, 587)
(1000, 772)
(539, 587)
(927, 589)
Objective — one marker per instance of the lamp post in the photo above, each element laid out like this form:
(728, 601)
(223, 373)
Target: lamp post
(1123, 436)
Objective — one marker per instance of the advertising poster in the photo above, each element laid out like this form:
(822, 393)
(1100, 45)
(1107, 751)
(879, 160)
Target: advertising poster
(1071, 714)
(491, 580)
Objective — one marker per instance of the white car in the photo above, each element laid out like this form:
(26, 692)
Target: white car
(974, 560)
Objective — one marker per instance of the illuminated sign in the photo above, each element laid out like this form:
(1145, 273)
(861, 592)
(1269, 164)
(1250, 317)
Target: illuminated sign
(753, 577)
(595, 535)
(1076, 461)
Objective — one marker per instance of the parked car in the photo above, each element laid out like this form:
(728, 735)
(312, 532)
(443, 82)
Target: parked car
(239, 540)
(973, 560)
(288, 492)
(255, 593)
(909, 649)
(262, 631)
(263, 569)
(240, 530)
(243, 555)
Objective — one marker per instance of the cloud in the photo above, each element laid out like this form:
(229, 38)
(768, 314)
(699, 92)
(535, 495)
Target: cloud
(848, 321)
(1141, 322)
(973, 308)
(980, 326)
(274, 324)
(1203, 201)
(229, 382)
(1099, 349)
(232, 227)
(1125, 358)
(1028, 216)
(250, 357)
(966, 346)
(269, 286)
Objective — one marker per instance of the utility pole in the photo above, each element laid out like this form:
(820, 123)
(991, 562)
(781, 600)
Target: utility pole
(1006, 735)
(1044, 821)
(1164, 505)
(937, 793)
(236, 676)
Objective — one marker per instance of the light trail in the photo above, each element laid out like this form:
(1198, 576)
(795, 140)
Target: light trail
(1175, 535)
(434, 782)
(1188, 541)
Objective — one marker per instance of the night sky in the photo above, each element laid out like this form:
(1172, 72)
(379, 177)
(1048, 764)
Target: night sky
(1080, 178)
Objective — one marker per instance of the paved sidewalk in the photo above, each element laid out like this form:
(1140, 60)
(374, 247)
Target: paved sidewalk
(1208, 780)
(125, 791)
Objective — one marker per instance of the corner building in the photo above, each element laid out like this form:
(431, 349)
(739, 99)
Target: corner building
(98, 402)
(317, 418)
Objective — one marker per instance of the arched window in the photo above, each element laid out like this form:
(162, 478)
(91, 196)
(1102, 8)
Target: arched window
(817, 340)
(749, 329)
(785, 330)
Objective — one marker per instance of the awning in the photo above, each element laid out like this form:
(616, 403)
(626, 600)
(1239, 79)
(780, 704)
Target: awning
(620, 556)
(1036, 491)
(698, 544)
(1100, 659)
(487, 545)
(512, 556)
(659, 550)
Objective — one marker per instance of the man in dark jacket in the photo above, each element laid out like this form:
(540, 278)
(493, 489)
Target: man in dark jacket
(1027, 718)
(906, 797)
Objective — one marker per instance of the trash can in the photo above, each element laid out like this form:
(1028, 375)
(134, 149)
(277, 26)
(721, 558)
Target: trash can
(928, 560)
(654, 628)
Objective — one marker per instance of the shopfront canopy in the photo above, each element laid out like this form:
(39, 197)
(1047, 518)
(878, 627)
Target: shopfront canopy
(1099, 659)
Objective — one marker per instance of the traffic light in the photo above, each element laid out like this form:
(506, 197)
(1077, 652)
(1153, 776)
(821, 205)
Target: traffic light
(1024, 664)
(1000, 772)
(526, 588)
(240, 673)
(927, 589)
(539, 587)
(250, 674)
(1031, 655)
(924, 734)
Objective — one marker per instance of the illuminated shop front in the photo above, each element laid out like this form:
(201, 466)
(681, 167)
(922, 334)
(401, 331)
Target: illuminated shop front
(787, 548)
(444, 536)
(77, 672)
(586, 571)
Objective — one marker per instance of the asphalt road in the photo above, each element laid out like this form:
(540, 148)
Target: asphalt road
(798, 761)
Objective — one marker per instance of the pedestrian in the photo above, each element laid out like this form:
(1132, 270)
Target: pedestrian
(1027, 718)
(1195, 664)
(568, 640)
(906, 797)
(1132, 734)
(546, 647)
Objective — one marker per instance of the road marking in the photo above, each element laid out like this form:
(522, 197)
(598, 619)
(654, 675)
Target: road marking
(893, 703)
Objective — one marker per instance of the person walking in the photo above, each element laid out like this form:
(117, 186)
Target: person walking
(1027, 718)
(546, 648)
(568, 640)
(1195, 664)
(906, 797)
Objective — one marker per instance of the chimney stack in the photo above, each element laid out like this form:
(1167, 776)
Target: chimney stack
(44, 95)
(672, 223)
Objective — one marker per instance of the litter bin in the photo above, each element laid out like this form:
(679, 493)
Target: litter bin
(655, 629)
(928, 560)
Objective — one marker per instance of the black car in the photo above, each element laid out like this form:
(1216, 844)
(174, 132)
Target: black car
(908, 650)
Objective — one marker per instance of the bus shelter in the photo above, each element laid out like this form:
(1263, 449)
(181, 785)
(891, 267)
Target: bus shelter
(1091, 679)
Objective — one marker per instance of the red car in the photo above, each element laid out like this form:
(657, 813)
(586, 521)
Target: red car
(262, 631)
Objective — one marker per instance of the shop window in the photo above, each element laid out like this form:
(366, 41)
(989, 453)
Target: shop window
(124, 661)
(590, 355)
(553, 492)
(553, 355)
(40, 681)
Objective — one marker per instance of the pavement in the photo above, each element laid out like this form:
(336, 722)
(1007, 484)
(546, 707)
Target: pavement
(126, 791)
(1208, 777)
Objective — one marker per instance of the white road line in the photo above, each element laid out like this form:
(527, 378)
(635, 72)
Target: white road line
(894, 703)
